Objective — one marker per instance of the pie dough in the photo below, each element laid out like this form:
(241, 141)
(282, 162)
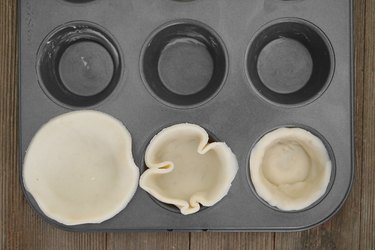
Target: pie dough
(290, 168)
(79, 168)
(186, 170)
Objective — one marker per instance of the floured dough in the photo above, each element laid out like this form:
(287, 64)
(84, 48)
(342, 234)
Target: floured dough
(185, 170)
(290, 168)
(79, 168)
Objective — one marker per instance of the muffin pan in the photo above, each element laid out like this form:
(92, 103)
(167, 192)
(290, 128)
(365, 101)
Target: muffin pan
(239, 69)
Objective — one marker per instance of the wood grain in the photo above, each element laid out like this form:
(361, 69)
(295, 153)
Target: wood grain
(160, 241)
(367, 240)
(203, 241)
(352, 228)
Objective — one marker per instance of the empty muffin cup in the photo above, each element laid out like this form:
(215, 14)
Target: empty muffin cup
(187, 171)
(79, 64)
(184, 63)
(290, 168)
(79, 168)
(290, 62)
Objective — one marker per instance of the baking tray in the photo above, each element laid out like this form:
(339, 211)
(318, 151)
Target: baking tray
(238, 48)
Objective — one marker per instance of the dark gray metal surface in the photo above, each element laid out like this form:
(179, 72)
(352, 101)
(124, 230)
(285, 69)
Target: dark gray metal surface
(235, 113)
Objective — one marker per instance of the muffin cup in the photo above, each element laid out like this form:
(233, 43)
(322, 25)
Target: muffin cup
(290, 62)
(185, 169)
(319, 141)
(184, 63)
(79, 64)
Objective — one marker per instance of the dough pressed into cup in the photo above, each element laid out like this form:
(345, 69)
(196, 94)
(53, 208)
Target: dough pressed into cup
(79, 168)
(185, 170)
(290, 168)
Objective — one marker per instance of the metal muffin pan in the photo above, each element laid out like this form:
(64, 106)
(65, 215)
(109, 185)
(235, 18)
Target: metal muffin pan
(238, 68)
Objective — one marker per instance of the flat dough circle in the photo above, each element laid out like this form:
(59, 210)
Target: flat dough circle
(186, 170)
(79, 168)
(290, 168)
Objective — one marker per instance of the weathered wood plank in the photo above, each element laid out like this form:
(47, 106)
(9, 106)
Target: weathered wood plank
(160, 241)
(367, 232)
(206, 241)
(21, 228)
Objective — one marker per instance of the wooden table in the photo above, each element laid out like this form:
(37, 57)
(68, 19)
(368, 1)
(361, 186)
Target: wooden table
(352, 228)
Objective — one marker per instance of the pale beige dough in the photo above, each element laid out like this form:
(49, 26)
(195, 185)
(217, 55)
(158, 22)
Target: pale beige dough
(185, 170)
(79, 168)
(290, 168)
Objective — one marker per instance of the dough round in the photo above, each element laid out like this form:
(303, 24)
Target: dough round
(290, 168)
(79, 168)
(186, 170)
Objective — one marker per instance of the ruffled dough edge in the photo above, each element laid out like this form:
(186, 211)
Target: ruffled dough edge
(192, 206)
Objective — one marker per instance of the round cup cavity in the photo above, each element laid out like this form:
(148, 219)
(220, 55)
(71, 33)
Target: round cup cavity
(79, 64)
(332, 177)
(290, 62)
(184, 63)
